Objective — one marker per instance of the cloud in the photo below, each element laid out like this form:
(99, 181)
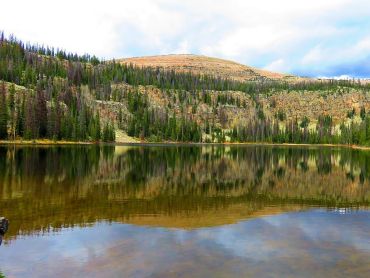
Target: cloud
(277, 65)
(312, 38)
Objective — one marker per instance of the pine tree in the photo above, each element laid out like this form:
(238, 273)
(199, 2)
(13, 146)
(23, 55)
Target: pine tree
(106, 133)
(97, 135)
(82, 124)
(109, 133)
(51, 123)
(41, 114)
(58, 119)
(11, 105)
(3, 113)
(30, 126)
(19, 127)
(363, 113)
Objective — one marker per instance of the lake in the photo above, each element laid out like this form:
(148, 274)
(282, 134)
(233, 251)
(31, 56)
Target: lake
(185, 211)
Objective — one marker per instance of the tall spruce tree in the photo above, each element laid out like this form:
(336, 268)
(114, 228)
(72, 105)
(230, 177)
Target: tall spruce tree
(41, 114)
(19, 127)
(3, 113)
(11, 105)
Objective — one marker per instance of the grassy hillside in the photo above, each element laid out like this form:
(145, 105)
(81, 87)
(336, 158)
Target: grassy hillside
(207, 65)
(51, 94)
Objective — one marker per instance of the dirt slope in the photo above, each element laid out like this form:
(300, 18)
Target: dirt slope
(206, 65)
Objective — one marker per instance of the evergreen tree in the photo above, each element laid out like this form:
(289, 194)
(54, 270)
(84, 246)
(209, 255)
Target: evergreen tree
(108, 133)
(30, 126)
(3, 113)
(41, 113)
(363, 113)
(20, 117)
(11, 105)
(97, 133)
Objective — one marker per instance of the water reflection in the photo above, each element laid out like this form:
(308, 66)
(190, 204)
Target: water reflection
(47, 188)
(315, 243)
(195, 211)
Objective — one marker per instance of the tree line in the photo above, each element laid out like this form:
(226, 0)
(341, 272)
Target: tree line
(53, 105)
(39, 115)
(294, 131)
(24, 64)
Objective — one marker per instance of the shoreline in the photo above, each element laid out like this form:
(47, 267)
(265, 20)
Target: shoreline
(45, 142)
(356, 147)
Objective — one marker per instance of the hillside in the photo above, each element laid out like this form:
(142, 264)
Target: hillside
(48, 94)
(206, 65)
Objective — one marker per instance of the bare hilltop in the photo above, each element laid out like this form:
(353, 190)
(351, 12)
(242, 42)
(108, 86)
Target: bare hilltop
(199, 64)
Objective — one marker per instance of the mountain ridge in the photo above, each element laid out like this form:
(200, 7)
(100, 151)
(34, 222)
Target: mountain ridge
(201, 64)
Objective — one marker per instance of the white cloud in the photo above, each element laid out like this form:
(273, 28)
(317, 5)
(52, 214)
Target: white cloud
(314, 55)
(277, 65)
(331, 54)
(340, 77)
(302, 36)
(183, 48)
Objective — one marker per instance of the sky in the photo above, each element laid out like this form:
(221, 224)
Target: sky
(316, 38)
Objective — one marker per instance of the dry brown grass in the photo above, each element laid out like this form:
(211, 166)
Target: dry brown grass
(206, 65)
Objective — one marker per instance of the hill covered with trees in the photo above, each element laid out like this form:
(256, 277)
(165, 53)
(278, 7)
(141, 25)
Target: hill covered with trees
(48, 93)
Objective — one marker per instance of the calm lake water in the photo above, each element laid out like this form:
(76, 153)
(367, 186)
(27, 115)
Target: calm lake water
(185, 211)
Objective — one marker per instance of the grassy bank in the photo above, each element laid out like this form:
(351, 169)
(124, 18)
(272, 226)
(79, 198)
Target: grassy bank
(169, 143)
(43, 142)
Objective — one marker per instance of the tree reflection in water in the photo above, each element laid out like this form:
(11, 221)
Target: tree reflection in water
(43, 188)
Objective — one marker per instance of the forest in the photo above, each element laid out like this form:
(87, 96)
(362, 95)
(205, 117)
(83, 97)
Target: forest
(60, 88)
